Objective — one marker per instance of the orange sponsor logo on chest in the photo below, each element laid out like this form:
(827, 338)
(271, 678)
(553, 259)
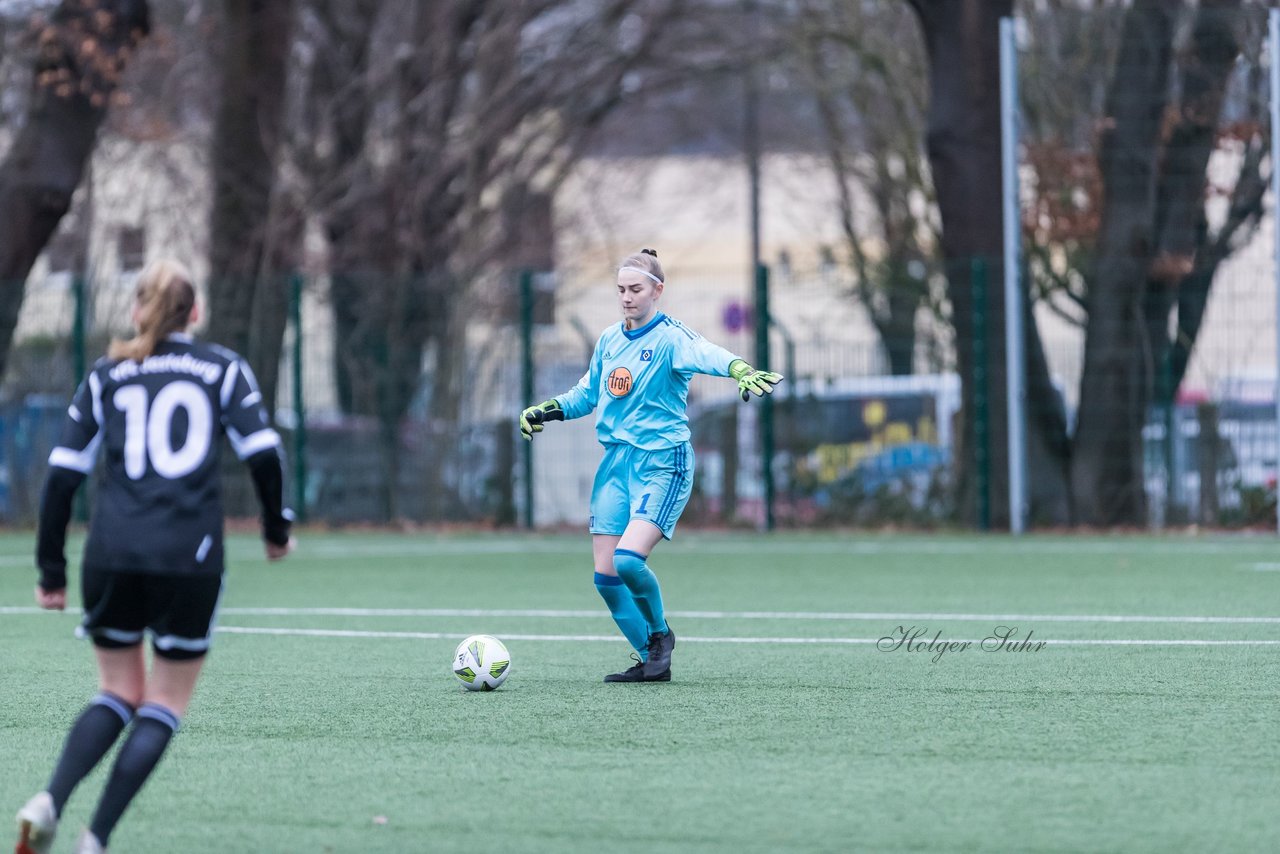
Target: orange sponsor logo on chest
(620, 382)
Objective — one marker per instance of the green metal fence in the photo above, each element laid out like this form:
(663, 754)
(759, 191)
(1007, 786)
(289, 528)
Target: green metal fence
(852, 444)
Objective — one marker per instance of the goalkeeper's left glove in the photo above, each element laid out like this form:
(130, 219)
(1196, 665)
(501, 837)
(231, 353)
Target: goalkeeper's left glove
(532, 419)
(750, 380)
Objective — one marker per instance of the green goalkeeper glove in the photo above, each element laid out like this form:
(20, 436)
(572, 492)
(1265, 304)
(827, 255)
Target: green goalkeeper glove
(532, 419)
(751, 380)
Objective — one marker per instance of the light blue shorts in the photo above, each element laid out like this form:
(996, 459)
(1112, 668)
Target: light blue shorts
(635, 484)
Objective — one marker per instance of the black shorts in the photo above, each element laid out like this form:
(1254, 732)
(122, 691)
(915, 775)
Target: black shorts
(178, 610)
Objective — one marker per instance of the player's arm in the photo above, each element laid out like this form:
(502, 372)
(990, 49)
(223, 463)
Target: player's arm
(267, 470)
(51, 538)
(695, 354)
(69, 464)
(259, 447)
(574, 403)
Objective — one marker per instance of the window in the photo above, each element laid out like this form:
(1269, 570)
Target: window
(131, 249)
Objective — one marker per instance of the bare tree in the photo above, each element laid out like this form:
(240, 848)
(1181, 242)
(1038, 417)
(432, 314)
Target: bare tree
(249, 254)
(868, 84)
(1151, 233)
(963, 140)
(1116, 390)
(419, 122)
(82, 51)
(1118, 235)
(1119, 230)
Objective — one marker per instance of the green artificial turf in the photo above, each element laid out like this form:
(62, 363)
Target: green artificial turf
(785, 728)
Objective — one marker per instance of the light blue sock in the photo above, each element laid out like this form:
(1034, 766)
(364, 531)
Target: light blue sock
(643, 585)
(622, 605)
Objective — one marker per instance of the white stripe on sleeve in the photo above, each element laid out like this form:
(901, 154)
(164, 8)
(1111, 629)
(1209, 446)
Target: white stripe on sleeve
(229, 383)
(247, 446)
(95, 392)
(81, 461)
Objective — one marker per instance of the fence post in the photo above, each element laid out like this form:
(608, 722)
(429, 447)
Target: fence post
(789, 357)
(79, 365)
(1014, 319)
(78, 360)
(1165, 405)
(1273, 48)
(526, 382)
(299, 409)
(1209, 462)
(981, 412)
(766, 413)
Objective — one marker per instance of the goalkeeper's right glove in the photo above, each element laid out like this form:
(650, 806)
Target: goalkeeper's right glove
(532, 419)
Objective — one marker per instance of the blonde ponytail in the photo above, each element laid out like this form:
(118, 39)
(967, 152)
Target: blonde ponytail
(163, 301)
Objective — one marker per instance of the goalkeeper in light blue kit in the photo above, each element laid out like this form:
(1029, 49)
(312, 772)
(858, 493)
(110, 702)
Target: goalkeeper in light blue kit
(638, 385)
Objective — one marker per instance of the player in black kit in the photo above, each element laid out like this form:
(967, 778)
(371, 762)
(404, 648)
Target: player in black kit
(158, 404)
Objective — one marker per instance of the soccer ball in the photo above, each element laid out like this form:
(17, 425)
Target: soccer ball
(481, 663)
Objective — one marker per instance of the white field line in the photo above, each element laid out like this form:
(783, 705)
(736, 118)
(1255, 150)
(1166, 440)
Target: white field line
(849, 616)
(409, 547)
(750, 546)
(352, 633)
(844, 616)
(579, 549)
(482, 613)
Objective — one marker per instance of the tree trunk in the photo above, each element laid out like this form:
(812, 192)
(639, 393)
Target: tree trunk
(254, 51)
(1106, 465)
(71, 92)
(266, 339)
(897, 324)
(962, 41)
(900, 340)
(1180, 215)
(356, 214)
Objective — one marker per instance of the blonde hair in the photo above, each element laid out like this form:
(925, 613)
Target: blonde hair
(647, 261)
(163, 298)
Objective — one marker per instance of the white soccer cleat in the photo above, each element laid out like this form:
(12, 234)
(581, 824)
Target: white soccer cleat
(89, 844)
(37, 825)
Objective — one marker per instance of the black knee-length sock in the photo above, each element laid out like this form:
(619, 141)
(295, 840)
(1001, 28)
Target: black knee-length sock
(89, 739)
(141, 752)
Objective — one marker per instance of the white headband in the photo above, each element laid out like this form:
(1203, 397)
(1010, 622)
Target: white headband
(641, 272)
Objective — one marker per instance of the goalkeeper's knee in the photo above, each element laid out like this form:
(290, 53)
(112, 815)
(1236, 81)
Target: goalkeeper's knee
(629, 565)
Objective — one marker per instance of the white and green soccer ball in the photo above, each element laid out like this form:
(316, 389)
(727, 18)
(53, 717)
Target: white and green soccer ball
(481, 663)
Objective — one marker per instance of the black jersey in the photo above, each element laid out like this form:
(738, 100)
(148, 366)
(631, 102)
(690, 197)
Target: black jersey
(159, 506)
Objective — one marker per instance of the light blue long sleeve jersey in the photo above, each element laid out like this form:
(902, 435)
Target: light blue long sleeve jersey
(638, 382)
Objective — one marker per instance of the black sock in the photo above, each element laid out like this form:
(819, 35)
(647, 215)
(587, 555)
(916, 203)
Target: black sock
(91, 736)
(152, 729)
